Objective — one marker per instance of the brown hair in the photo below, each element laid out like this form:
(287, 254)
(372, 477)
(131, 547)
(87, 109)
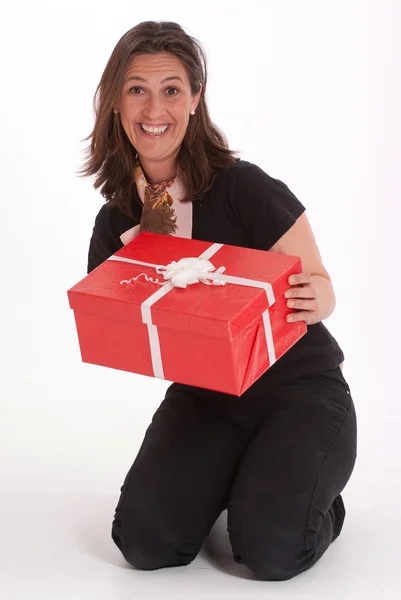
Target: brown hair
(111, 156)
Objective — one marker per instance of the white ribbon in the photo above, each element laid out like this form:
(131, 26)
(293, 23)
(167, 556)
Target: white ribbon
(185, 272)
(189, 271)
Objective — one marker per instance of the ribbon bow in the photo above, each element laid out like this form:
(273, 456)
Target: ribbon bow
(188, 271)
(183, 273)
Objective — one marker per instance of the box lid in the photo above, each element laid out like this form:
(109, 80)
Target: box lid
(216, 311)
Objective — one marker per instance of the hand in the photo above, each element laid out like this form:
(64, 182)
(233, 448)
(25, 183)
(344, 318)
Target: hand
(303, 296)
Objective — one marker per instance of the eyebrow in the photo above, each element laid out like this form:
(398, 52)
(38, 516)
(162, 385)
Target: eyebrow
(137, 78)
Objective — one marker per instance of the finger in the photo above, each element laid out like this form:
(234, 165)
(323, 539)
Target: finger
(303, 315)
(306, 291)
(302, 304)
(299, 279)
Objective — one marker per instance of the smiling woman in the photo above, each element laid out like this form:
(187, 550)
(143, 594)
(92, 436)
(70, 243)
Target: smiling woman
(278, 457)
(156, 77)
(155, 111)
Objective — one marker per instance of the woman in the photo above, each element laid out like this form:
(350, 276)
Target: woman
(278, 457)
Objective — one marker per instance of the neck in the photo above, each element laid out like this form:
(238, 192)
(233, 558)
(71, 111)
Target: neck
(157, 171)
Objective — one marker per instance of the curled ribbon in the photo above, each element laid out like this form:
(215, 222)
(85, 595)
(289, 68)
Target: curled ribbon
(185, 272)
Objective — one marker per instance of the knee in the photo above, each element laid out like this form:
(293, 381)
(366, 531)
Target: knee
(147, 549)
(271, 568)
(135, 552)
(277, 559)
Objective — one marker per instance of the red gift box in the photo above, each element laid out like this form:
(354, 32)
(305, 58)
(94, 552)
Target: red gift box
(221, 333)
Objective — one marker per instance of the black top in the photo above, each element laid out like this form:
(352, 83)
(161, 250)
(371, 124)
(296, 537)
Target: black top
(245, 207)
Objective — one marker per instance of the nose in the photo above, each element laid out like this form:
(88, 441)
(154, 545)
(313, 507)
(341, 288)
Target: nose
(153, 108)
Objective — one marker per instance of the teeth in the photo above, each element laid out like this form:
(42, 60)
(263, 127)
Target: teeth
(154, 130)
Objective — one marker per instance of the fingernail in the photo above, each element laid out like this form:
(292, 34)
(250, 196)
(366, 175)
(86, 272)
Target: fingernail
(290, 318)
(291, 303)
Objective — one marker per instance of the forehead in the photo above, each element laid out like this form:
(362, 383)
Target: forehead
(156, 66)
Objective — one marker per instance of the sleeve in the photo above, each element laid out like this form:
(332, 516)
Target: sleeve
(104, 241)
(265, 206)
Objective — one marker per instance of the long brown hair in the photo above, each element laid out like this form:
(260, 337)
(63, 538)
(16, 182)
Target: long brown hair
(111, 156)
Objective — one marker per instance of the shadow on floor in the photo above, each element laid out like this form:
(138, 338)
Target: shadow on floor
(217, 551)
(95, 539)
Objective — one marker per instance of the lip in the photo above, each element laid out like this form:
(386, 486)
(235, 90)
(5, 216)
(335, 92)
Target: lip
(152, 135)
(154, 124)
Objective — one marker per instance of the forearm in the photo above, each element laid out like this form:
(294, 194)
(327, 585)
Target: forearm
(325, 295)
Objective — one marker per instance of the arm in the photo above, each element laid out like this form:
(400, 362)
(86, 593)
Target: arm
(311, 292)
(275, 220)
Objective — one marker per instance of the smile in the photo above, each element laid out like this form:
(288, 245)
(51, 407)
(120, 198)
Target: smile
(152, 130)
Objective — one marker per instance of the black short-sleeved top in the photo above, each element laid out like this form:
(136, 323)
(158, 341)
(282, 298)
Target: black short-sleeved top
(245, 207)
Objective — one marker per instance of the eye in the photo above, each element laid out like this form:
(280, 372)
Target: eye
(136, 91)
(172, 91)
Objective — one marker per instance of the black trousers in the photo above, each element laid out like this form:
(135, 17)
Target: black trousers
(277, 463)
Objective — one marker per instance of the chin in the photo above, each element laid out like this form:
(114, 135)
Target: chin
(165, 154)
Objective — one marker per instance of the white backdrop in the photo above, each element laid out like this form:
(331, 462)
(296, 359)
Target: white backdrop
(311, 92)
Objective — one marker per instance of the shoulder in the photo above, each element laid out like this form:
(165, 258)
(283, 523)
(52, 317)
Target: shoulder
(264, 206)
(112, 221)
(243, 169)
(110, 224)
(246, 173)
(247, 185)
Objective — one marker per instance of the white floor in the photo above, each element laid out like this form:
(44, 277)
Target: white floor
(55, 544)
(69, 432)
(62, 462)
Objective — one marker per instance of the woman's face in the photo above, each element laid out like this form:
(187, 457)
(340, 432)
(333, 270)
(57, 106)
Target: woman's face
(155, 106)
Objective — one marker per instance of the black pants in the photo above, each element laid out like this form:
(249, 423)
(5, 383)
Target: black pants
(277, 463)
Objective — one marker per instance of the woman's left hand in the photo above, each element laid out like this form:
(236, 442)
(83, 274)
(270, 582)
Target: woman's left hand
(303, 297)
